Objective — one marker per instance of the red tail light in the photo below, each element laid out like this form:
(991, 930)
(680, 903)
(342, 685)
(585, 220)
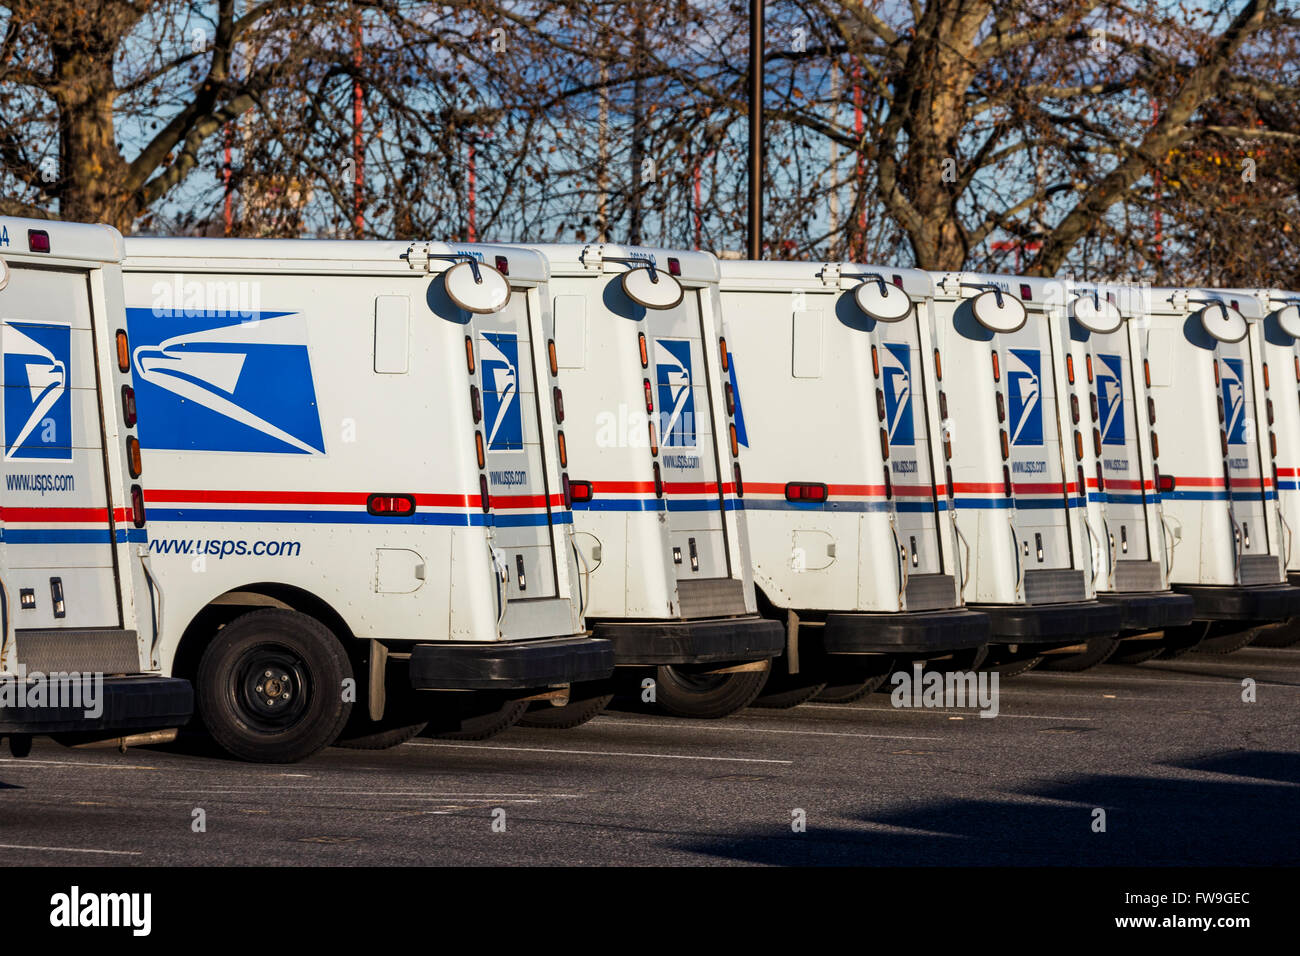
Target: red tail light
(740, 483)
(654, 438)
(730, 395)
(391, 506)
(1165, 484)
(880, 405)
(483, 497)
(581, 490)
(475, 404)
(649, 397)
(137, 506)
(1074, 408)
(559, 405)
(1101, 479)
(674, 266)
(1006, 480)
(1151, 409)
(503, 265)
(806, 491)
(659, 481)
(1155, 445)
(128, 406)
(38, 240)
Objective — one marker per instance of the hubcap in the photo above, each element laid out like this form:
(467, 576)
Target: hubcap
(270, 687)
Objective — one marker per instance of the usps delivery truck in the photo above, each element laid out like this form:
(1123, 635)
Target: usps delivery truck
(81, 622)
(1001, 385)
(845, 486)
(653, 444)
(1280, 330)
(1208, 380)
(1111, 422)
(358, 487)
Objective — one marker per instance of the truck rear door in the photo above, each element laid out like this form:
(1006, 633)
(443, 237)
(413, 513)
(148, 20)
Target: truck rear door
(1247, 490)
(59, 526)
(1117, 433)
(522, 528)
(683, 414)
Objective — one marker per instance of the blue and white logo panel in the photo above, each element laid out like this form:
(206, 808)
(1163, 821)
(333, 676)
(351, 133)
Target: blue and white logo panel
(1110, 398)
(1025, 394)
(742, 435)
(502, 411)
(38, 407)
(676, 393)
(210, 381)
(1234, 400)
(896, 370)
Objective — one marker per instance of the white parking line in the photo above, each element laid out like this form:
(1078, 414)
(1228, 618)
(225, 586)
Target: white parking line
(1228, 679)
(67, 849)
(600, 753)
(19, 761)
(970, 712)
(606, 721)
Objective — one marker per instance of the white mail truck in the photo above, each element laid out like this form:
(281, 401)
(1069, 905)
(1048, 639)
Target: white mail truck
(1111, 424)
(845, 484)
(81, 613)
(1002, 388)
(653, 444)
(359, 497)
(1207, 379)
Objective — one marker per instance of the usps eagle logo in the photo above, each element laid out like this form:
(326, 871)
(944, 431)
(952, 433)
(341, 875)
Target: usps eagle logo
(38, 406)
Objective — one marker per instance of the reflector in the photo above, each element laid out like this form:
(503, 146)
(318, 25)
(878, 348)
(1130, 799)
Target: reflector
(999, 312)
(656, 290)
(881, 301)
(476, 287)
(1223, 322)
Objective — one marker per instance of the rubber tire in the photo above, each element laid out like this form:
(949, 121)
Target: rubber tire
(573, 714)
(1133, 653)
(1099, 651)
(729, 693)
(1182, 640)
(1283, 636)
(1220, 644)
(318, 650)
(480, 726)
(1009, 665)
(847, 684)
(783, 691)
(381, 739)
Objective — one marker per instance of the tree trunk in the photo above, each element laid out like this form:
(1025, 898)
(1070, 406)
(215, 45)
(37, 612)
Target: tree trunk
(92, 172)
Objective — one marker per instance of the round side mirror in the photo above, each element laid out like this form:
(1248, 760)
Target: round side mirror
(4, 275)
(1096, 315)
(1008, 316)
(660, 291)
(1223, 322)
(488, 294)
(882, 301)
(1288, 318)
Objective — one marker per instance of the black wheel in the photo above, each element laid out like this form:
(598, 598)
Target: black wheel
(1182, 640)
(380, 739)
(585, 702)
(1011, 663)
(1099, 651)
(848, 681)
(1282, 636)
(474, 717)
(1136, 652)
(1226, 637)
(783, 691)
(270, 686)
(684, 692)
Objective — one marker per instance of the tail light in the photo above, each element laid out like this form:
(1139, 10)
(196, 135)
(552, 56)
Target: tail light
(391, 506)
(550, 354)
(1155, 445)
(1092, 407)
(1078, 446)
(1223, 440)
(884, 444)
(1151, 409)
(938, 367)
(1165, 484)
(469, 354)
(1268, 405)
(997, 368)
(654, 438)
(503, 265)
(889, 485)
(740, 483)
(1096, 442)
(475, 404)
(1088, 364)
(1069, 368)
(880, 405)
(564, 450)
(38, 240)
(579, 491)
(806, 491)
(1074, 408)
(659, 481)
(559, 405)
(1146, 371)
(1101, 478)
(725, 356)
(1216, 371)
(674, 266)
(649, 396)
(1272, 443)
(730, 395)
(875, 362)
(1083, 484)
(943, 404)
(123, 352)
(137, 506)
(1006, 480)
(1002, 407)
(133, 456)
(645, 357)
(483, 497)
(1005, 443)
(947, 472)
(128, 406)
(735, 445)
(478, 448)
(1266, 375)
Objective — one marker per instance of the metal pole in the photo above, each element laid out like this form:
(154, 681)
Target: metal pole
(756, 33)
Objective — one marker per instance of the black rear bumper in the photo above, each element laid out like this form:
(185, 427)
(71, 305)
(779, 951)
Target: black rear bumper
(1051, 623)
(129, 704)
(1151, 610)
(1264, 602)
(920, 632)
(704, 641)
(513, 665)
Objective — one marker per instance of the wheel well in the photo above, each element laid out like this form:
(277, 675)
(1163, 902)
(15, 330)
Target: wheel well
(234, 603)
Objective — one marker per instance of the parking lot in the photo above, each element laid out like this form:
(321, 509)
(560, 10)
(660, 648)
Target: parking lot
(1185, 771)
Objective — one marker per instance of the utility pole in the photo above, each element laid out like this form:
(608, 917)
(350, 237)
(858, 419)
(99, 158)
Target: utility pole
(756, 35)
